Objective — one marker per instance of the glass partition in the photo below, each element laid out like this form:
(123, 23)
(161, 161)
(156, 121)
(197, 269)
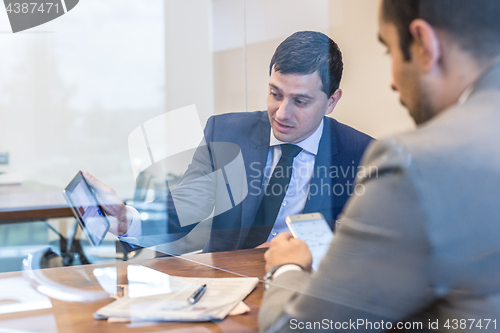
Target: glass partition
(126, 90)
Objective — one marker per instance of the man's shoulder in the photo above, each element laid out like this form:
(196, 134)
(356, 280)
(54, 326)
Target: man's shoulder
(346, 130)
(459, 129)
(238, 126)
(238, 118)
(437, 148)
(348, 139)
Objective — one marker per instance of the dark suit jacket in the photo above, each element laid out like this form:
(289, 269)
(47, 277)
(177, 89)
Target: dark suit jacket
(339, 154)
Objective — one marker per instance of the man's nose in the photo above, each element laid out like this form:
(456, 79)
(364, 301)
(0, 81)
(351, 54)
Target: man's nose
(283, 110)
(393, 85)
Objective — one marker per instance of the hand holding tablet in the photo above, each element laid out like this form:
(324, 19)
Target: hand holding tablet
(114, 208)
(87, 209)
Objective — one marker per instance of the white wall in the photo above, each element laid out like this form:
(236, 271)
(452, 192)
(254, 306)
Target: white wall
(188, 56)
(368, 103)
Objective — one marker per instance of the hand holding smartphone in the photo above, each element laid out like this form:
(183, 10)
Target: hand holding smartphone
(314, 231)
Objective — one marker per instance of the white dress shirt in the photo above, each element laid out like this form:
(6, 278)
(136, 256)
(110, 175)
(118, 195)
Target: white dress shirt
(303, 167)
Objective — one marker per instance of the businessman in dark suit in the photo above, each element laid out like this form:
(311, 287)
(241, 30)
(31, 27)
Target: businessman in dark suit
(295, 159)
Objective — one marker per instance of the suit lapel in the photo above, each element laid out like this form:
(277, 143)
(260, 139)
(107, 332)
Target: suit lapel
(255, 158)
(328, 156)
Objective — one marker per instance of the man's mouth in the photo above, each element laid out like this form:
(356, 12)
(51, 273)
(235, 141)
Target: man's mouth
(282, 126)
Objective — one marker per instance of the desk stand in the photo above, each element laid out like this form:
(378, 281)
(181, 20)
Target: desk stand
(68, 252)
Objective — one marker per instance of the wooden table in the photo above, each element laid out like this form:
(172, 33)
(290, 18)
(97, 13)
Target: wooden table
(77, 317)
(31, 202)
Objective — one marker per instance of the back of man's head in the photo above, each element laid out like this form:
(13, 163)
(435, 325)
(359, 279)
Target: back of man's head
(306, 52)
(473, 24)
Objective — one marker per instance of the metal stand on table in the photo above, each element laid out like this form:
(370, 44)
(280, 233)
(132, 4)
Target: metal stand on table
(69, 249)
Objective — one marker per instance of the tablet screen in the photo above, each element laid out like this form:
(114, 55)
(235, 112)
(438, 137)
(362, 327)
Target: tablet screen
(317, 235)
(87, 210)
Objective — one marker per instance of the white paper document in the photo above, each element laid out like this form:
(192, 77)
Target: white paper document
(221, 296)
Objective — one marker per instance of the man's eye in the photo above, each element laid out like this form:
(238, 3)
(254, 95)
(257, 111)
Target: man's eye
(300, 102)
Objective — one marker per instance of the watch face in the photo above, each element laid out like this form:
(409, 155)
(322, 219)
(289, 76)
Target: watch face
(269, 276)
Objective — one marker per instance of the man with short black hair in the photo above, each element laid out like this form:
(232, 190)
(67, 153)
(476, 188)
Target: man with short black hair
(294, 136)
(421, 244)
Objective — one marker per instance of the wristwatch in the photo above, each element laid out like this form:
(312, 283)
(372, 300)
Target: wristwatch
(270, 273)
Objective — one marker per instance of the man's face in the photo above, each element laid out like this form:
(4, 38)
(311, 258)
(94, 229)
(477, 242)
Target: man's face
(296, 105)
(406, 78)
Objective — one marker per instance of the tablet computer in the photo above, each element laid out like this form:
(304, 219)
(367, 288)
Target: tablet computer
(89, 214)
(312, 229)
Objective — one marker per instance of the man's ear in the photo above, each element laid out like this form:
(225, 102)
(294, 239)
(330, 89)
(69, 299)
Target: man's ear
(426, 47)
(333, 100)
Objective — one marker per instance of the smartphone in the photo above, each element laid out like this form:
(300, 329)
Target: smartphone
(312, 229)
(89, 214)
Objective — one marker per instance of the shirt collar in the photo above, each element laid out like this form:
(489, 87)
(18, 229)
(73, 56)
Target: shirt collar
(310, 144)
(470, 89)
(466, 94)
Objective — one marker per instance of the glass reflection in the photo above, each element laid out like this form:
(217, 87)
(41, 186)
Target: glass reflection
(16, 295)
(153, 295)
(107, 276)
(144, 281)
(149, 294)
(32, 272)
(40, 324)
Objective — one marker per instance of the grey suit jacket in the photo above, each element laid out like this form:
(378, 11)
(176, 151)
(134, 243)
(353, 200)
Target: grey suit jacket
(423, 241)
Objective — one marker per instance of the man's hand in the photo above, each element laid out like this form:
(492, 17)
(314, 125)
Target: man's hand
(115, 209)
(285, 249)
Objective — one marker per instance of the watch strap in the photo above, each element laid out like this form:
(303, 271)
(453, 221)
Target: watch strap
(270, 273)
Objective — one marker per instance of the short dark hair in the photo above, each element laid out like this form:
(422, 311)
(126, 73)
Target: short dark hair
(474, 24)
(306, 52)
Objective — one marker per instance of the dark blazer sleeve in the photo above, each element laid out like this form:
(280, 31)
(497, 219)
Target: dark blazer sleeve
(191, 201)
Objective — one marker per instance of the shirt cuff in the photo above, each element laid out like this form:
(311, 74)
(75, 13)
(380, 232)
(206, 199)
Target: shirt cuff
(286, 268)
(135, 228)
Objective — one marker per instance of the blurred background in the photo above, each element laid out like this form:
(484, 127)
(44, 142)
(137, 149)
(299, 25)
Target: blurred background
(73, 89)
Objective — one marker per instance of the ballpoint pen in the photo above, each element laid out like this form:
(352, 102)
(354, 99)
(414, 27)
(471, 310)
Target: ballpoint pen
(195, 297)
